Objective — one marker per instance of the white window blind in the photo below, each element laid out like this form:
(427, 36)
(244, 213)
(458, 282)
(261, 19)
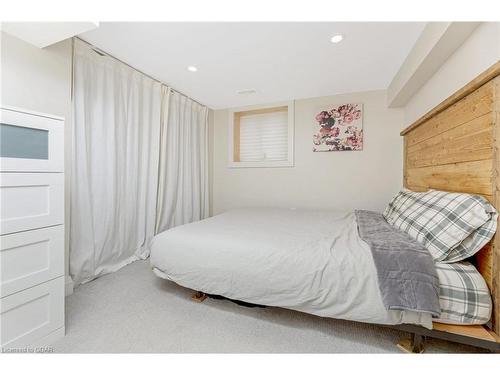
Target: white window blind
(264, 137)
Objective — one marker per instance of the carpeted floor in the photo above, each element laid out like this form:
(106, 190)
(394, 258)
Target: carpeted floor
(134, 311)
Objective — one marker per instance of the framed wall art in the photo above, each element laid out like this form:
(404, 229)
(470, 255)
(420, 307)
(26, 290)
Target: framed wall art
(339, 128)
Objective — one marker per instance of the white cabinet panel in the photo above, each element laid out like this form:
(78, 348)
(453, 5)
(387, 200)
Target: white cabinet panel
(31, 200)
(30, 258)
(31, 314)
(31, 228)
(30, 142)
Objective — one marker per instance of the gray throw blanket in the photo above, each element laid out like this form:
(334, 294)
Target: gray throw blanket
(406, 273)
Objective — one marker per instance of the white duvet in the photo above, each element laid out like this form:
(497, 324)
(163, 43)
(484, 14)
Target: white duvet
(310, 261)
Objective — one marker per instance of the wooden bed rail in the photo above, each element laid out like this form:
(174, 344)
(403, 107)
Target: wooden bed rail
(468, 335)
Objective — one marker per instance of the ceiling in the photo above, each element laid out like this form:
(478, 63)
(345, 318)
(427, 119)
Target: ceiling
(281, 61)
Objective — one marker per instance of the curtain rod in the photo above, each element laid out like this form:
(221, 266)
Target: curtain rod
(100, 51)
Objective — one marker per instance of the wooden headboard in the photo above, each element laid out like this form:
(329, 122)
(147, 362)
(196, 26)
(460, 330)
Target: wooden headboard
(456, 147)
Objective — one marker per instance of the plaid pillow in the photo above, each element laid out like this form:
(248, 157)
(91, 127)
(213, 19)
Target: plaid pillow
(452, 226)
(464, 297)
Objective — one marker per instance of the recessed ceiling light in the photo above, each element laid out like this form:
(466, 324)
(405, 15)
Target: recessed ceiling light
(336, 38)
(192, 68)
(246, 91)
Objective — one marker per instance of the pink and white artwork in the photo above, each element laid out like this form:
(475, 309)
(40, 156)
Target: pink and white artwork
(339, 129)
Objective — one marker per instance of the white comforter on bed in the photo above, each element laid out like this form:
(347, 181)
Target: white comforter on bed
(310, 261)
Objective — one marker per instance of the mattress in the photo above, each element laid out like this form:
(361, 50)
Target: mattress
(305, 260)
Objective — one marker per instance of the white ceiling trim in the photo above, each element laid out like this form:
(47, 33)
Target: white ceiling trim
(435, 45)
(44, 34)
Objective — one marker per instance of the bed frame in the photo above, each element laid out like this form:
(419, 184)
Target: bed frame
(456, 147)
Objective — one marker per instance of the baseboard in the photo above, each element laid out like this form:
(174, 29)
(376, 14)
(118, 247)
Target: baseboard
(68, 285)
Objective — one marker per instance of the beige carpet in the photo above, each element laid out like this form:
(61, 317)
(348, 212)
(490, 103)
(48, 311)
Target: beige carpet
(134, 311)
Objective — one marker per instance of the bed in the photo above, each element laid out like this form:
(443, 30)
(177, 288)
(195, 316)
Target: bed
(308, 260)
(320, 255)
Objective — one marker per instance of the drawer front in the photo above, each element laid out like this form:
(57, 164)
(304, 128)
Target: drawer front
(31, 201)
(31, 314)
(30, 258)
(30, 143)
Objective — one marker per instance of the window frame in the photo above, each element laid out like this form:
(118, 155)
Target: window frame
(265, 163)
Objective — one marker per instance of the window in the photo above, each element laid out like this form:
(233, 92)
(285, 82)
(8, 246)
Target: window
(261, 137)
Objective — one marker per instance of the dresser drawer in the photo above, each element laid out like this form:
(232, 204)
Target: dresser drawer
(31, 201)
(32, 314)
(30, 258)
(30, 142)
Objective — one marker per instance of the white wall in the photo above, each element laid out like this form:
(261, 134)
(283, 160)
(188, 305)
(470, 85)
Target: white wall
(34, 78)
(40, 80)
(475, 55)
(335, 180)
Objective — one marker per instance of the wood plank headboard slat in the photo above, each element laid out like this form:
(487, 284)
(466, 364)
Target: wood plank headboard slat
(495, 263)
(456, 147)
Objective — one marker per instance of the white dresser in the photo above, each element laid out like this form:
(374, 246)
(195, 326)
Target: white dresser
(31, 228)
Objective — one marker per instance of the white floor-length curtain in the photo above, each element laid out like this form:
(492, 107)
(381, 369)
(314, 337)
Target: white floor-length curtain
(183, 173)
(115, 164)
